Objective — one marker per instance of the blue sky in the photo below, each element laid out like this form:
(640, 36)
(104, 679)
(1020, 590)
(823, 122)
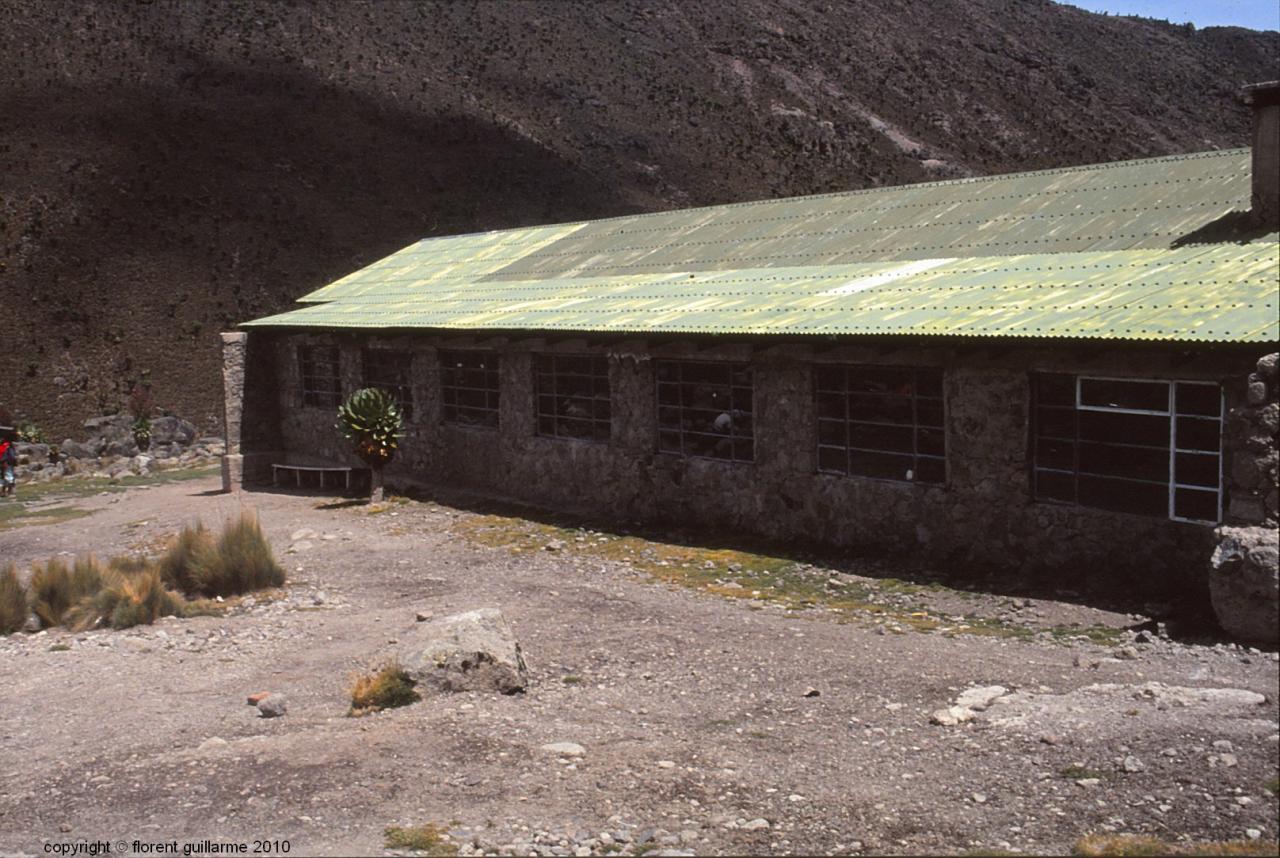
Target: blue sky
(1255, 14)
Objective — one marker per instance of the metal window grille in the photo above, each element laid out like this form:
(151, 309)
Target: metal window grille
(1152, 447)
(573, 399)
(469, 387)
(321, 377)
(705, 410)
(391, 371)
(881, 422)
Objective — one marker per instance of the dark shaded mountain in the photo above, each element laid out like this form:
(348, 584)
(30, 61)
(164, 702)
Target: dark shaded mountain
(168, 169)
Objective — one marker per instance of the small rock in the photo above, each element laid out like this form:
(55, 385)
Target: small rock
(1088, 782)
(1127, 652)
(273, 706)
(423, 616)
(978, 798)
(757, 824)
(565, 749)
(979, 697)
(255, 699)
(1252, 833)
(1133, 764)
(1223, 745)
(811, 692)
(666, 764)
(212, 744)
(1228, 760)
(951, 716)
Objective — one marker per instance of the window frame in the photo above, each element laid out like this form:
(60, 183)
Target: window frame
(1170, 413)
(546, 367)
(734, 438)
(447, 387)
(311, 394)
(402, 390)
(915, 426)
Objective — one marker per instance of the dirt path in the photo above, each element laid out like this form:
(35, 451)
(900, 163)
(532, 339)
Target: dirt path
(691, 708)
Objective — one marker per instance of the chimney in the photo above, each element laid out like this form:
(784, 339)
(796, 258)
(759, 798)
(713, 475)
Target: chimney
(1264, 98)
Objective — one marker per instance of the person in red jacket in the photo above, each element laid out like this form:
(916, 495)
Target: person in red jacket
(8, 461)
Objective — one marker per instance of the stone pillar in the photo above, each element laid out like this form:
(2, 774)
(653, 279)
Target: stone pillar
(1244, 574)
(234, 346)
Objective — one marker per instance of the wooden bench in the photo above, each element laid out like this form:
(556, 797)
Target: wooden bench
(321, 472)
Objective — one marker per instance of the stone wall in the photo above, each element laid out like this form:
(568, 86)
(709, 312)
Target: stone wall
(984, 516)
(1244, 578)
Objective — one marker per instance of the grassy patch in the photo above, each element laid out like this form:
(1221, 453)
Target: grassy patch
(60, 647)
(427, 838)
(134, 589)
(1132, 845)
(41, 503)
(386, 688)
(754, 578)
(571, 679)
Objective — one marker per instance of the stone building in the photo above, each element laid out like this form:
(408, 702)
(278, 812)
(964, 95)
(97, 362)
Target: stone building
(1041, 370)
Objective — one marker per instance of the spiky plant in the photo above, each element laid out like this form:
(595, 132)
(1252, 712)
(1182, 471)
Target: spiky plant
(371, 420)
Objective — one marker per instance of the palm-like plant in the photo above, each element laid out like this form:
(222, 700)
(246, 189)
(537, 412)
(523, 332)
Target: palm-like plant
(371, 420)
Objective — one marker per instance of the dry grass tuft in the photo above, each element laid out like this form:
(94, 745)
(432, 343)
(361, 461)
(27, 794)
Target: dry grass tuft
(386, 688)
(50, 591)
(177, 565)
(13, 601)
(240, 561)
(1132, 845)
(427, 838)
(126, 600)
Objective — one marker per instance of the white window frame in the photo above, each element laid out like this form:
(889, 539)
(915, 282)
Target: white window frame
(1172, 415)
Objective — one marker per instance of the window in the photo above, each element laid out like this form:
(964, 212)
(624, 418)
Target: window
(469, 387)
(705, 409)
(391, 371)
(321, 379)
(884, 422)
(1147, 447)
(573, 396)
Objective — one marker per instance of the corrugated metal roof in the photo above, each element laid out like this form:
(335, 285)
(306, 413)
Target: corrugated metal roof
(1080, 252)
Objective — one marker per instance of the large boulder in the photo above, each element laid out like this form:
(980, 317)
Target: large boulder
(1244, 582)
(175, 431)
(74, 449)
(111, 435)
(473, 651)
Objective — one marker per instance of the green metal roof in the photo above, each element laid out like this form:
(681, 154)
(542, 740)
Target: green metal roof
(1101, 251)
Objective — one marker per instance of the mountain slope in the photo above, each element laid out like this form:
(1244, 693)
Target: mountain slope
(168, 169)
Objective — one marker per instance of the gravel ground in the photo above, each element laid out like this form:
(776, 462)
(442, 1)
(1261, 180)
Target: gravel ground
(709, 721)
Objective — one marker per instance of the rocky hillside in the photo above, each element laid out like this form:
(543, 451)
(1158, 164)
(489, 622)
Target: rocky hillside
(168, 169)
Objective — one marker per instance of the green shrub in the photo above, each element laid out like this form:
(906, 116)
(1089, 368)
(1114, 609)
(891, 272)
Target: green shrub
(126, 600)
(177, 566)
(30, 433)
(387, 688)
(240, 561)
(13, 601)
